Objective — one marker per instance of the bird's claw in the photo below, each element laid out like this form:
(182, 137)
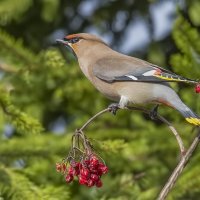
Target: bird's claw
(154, 112)
(113, 108)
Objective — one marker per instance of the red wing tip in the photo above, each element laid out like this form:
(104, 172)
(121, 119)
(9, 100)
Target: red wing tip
(158, 72)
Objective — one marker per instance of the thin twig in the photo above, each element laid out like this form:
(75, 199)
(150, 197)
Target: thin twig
(94, 117)
(185, 155)
(179, 168)
(174, 131)
(164, 120)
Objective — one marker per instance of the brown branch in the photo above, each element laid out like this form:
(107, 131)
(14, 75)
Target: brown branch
(179, 168)
(174, 131)
(170, 126)
(93, 118)
(185, 155)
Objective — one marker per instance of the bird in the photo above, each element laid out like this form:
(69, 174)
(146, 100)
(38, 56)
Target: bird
(124, 79)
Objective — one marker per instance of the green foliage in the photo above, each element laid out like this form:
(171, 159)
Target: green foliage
(50, 9)
(188, 42)
(11, 189)
(194, 11)
(38, 89)
(22, 122)
(13, 10)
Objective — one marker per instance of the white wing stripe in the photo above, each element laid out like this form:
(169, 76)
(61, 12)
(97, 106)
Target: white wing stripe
(132, 77)
(149, 73)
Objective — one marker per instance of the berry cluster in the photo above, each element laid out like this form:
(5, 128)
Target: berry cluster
(197, 88)
(88, 171)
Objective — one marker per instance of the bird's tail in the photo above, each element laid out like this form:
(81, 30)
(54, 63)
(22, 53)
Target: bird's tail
(186, 112)
(190, 116)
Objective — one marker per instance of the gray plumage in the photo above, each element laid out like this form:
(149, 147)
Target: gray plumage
(126, 79)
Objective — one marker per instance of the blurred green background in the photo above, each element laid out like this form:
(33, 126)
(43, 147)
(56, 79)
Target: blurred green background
(44, 97)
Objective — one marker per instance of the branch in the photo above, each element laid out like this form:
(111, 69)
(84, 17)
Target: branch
(170, 126)
(179, 168)
(174, 131)
(185, 155)
(162, 119)
(93, 118)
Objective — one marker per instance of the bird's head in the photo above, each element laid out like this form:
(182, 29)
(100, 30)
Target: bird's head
(81, 42)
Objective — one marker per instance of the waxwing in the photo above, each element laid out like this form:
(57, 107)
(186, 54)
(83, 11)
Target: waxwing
(124, 79)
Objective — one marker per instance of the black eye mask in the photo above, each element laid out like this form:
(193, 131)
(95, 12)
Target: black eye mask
(72, 40)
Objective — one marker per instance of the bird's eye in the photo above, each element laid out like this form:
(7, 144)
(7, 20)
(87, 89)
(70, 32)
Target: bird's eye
(74, 40)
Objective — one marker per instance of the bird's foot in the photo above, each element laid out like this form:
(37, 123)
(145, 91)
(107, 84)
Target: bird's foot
(113, 108)
(154, 112)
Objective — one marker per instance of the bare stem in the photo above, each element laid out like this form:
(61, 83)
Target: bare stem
(174, 131)
(93, 118)
(179, 168)
(170, 126)
(185, 155)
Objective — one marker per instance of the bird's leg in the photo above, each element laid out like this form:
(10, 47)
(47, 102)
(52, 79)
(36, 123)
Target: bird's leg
(154, 112)
(115, 106)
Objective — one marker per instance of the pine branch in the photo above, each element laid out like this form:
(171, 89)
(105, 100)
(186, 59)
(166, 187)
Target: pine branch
(14, 50)
(21, 121)
(27, 189)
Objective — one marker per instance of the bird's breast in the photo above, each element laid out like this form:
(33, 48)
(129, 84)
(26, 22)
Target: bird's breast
(107, 89)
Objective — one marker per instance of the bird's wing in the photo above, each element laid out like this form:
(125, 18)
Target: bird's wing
(113, 69)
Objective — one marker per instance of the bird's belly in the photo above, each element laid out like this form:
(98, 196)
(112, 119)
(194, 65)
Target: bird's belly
(109, 92)
(107, 89)
(135, 92)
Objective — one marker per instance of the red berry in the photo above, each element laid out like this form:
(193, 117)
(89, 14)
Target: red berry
(71, 170)
(99, 183)
(94, 177)
(100, 173)
(86, 162)
(58, 167)
(197, 88)
(85, 172)
(93, 167)
(76, 171)
(93, 157)
(104, 169)
(82, 180)
(69, 178)
(94, 161)
(101, 164)
(79, 165)
(64, 167)
(73, 163)
(90, 183)
(94, 171)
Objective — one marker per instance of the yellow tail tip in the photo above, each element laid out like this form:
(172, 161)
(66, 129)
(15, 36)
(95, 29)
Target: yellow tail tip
(193, 120)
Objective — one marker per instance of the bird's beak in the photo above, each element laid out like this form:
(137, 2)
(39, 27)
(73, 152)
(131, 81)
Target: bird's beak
(62, 42)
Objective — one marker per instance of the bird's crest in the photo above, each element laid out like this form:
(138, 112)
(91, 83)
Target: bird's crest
(72, 36)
